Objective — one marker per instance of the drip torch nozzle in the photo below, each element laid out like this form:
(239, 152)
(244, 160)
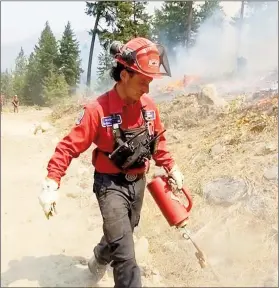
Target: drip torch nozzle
(115, 48)
(199, 254)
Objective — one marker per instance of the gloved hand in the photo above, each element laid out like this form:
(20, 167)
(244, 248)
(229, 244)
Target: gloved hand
(176, 177)
(48, 197)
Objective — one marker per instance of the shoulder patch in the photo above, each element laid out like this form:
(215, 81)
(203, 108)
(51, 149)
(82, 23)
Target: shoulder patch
(80, 116)
(107, 121)
(150, 115)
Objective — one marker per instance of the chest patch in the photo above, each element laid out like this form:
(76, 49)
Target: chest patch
(150, 115)
(107, 121)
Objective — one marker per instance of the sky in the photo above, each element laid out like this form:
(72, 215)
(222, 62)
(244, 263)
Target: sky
(21, 20)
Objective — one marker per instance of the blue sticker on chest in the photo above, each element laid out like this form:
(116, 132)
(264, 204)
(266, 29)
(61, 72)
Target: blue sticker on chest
(107, 121)
(150, 115)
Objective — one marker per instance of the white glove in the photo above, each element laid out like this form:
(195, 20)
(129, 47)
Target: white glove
(176, 177)
(48, 197)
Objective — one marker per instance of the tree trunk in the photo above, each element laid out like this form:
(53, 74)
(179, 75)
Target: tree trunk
(241, 62)
(240, 27)
(189, 24)
(88, 81)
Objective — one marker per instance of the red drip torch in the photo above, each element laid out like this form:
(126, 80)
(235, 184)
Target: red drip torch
(175, 212)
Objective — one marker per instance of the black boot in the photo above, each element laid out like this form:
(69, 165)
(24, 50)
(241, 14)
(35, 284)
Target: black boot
(98, 270)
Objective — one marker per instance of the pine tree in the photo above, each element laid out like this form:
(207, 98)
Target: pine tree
(105, 62)
(42, 62)
(101, 10)
(140, 22)
(20, 73)
(55, 87)
(211, 10)
(131, 21)
(69, 57)
(32, 86)
(47, 52)
(170, 24)
(7, 84)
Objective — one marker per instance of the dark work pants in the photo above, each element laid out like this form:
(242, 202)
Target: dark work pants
(120, 204)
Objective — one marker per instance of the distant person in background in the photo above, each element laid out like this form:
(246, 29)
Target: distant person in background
(15, 102)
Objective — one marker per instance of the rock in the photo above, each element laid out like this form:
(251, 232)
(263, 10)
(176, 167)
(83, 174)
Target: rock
(217, 149)
(209, 96)
(224, 191)
(45, 126)
(266, 149)
(39, 132)
(37, 128)
(271, 147)
(259, 206)
(142, 249)
(73, 194)
(271, 173)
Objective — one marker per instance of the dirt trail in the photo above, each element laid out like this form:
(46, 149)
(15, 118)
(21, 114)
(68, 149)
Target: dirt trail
(37, 252)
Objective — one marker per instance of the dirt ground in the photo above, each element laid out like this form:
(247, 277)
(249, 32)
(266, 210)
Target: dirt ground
(37, 252)
(240, 246)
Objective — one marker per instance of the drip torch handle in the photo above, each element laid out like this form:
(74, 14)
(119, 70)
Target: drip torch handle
(189, 198)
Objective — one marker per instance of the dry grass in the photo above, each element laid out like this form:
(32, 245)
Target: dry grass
(238, 240)
(238, 243)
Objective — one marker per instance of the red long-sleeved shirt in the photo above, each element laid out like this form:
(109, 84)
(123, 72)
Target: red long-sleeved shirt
(89, 129)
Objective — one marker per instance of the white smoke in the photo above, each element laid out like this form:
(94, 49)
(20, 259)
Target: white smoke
(214, 55)
(259, 41)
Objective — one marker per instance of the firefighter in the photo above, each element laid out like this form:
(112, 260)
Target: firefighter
(125, 113)
(15, 102)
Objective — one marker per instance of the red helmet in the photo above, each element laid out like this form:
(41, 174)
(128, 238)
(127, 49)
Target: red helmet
(143, 56)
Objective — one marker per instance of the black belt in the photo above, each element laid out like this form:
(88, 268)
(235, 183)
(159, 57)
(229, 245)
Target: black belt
(131, 177)
(124, 177)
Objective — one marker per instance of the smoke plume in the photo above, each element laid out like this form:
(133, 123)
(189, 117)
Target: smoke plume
(214, 56)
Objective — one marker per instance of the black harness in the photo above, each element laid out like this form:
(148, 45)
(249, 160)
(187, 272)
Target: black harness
(133, 146)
